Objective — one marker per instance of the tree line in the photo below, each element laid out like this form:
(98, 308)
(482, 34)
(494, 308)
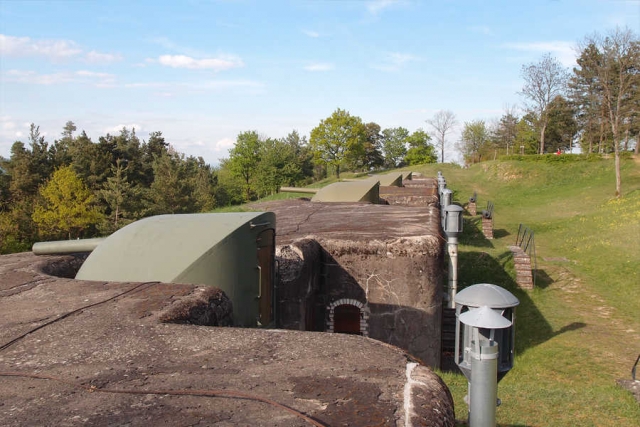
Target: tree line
(595, 105)
(79, 188)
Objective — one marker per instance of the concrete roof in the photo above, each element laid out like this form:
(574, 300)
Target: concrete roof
(299, 218)
(93, 353)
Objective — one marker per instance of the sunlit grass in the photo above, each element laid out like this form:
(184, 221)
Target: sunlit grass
(578, 331)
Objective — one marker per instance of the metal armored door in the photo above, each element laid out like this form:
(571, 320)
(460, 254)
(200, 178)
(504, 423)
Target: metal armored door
(266, 244)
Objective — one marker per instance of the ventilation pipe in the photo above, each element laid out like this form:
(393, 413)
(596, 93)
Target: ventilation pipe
(452, 227)
(485, 342)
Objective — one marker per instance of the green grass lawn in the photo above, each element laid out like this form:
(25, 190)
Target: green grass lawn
(579, 330)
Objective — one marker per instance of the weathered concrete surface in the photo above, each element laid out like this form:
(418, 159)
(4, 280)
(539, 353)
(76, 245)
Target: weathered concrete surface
(386, 257)
(88, 338)
(357, 222)
(411, 195)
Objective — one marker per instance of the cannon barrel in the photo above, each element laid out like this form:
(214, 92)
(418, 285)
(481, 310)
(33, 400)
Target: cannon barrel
(486, 214)
(66, 246)
(298, 190)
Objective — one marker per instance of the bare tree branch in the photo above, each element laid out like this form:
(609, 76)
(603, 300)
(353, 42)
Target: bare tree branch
(543, 81)
(442, 123)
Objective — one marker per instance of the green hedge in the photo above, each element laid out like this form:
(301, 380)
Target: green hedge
(553, 158)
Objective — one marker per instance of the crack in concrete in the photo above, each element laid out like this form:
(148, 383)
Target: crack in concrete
(25, 286)
(302, 222)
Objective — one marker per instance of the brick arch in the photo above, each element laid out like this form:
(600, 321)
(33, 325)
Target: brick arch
(364, 314)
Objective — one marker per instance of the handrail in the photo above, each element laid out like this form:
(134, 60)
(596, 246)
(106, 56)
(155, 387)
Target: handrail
(526, 241)
(488, 213)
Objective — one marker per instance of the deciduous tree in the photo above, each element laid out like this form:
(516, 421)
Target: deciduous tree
(420, 150)
(394, 146)
(616, 75)
(504, 133)
(442, 122)
(338, 138)
(244, 159)
(474, 141)
(543, 81)
(68, 206)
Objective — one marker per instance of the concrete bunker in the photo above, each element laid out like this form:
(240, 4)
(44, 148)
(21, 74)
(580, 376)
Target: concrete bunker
(376, 272)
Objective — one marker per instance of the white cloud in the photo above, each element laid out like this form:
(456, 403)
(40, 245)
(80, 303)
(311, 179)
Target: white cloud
(319, 66)
(53, 49)
(25, 46)
(82, 76)
(31, 77)
(202, 85)
(86, 73)
(102, 58)
(394, 61)
(377, 6)
(224, 144)
(116, 129)
(168, 44)
(311, 34)
(7, 124)
(564, 51)
(146, 84)
(216, 64)
(224, 84)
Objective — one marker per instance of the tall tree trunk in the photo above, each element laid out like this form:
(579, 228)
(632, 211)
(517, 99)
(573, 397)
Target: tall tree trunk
(544, 127)
(626, 140)
(616, 145)
(601, 142)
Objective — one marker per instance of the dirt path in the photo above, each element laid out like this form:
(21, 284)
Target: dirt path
(613, 341)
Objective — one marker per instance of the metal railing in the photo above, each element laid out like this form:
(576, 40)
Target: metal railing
(488, 213)
(526, 241)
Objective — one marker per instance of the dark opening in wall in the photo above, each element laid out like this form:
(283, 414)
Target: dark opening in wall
(65, 266)
(346, 319)
(348, 316)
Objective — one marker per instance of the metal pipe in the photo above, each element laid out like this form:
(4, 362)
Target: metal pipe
(298, 190)
(66, 246)
(483, 388)
(452, 246)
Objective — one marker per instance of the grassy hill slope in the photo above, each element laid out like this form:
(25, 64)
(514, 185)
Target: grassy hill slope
(579, 330)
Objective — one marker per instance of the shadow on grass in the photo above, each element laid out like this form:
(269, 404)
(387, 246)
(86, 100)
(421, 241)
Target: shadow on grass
(499, 234)
(464, 423)
(472, 233)
(532, 328)
(542, 279)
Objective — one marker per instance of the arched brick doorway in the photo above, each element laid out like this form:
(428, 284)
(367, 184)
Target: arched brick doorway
(348, 316)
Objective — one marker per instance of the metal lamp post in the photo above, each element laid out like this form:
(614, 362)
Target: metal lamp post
(485, 341)
(452, 225)
(445, 200)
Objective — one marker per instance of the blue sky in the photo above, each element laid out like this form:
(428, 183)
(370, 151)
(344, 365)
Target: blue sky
(203, 71)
